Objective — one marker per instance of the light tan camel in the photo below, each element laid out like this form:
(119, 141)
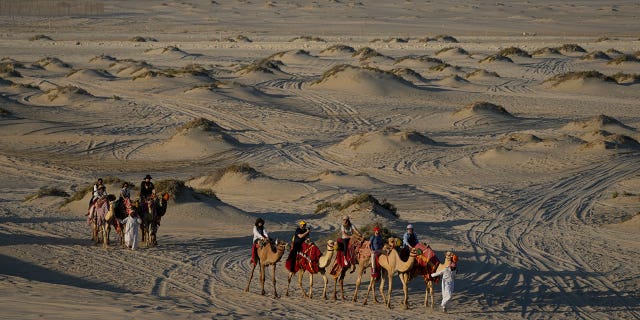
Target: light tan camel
(363, 260)
(391, 263)
(267, 257)
(323, 263)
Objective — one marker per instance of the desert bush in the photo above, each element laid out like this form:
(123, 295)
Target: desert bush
(514, 51)
(559, 78)
(615, 195)
(471, 74)
(419, 58)
(265, 65)
(571, 47)
(367, 53)
(626, 78)
(359, 199)
(458, 50)
(47, 192)
(623, 58)
(40, 37)
(614, 51)
(307, 38)
(596, 55)
(143, 39)
(202, 123)
(602, 39)
(4, 112)
(546, 50)
(440, 67)
(339, 47)
(81, 193)
(496, 57)
(9, 69)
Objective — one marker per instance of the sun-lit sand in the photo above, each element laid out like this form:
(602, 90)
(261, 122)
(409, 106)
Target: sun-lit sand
(504, 131)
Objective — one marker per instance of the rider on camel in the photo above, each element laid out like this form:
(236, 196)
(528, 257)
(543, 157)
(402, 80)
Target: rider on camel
(347, 229)
(375, 245)
(301, 235)
(147, 189)
(260, 237)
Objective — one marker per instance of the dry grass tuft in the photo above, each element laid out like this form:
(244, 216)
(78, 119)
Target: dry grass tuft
(202, 124)
(482, 71)
(367, 53)
(40, 37)
(623, 58)
(423, 58)
(307, 38)
(51, 60)
(579, 75)
(571, 47)
(514, 51)
(626, 78)
(339, 48)
(483, 106)
(265, 65)
(496, 57)
(143, 39)
(457, 50)
(546, 50)
(47, 192)
(66, 90)
(596, 55)
(9, 69)
(363, 198)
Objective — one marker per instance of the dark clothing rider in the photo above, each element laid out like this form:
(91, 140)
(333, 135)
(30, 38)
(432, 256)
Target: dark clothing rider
(146, 188)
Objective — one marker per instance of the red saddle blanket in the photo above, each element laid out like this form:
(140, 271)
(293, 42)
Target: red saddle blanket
(426, 261)
(308, 259)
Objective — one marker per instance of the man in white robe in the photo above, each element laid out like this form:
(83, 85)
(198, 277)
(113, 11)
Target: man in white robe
(131, 226)
(447, 273)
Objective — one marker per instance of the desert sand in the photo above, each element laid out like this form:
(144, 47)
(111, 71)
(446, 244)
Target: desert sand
(504, 131)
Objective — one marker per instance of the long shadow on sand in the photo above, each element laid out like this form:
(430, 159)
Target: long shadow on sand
(15, 267)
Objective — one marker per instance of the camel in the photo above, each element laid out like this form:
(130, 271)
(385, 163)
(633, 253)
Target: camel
(267, 257)
(391, 263)
(427, 263)
(155, 207)
(99, 217)
(322, 263)
(363, 257)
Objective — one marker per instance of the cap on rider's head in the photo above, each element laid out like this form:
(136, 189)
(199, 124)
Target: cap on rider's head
(376, 229)
(409, 226)
(302, 223)
(148, 177)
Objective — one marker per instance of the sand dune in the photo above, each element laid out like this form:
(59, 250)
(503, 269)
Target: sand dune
(600, 123)
(62, 95)
(243, 182)
(364, 80)
(89, 75)
(482, 113)
(195, 139)
(386, 140)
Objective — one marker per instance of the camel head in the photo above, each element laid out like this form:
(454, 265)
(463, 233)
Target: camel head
(281, 245)
(331, 245)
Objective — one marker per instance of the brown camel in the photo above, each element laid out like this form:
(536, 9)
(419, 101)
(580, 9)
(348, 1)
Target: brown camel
(323, 262)
(267, 257)
(426, 264)
(364, 262)
(391, 263)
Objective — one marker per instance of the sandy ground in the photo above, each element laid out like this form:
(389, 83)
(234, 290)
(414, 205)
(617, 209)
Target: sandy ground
(523, 164)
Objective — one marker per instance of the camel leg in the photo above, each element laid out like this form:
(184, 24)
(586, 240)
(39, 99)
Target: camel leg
(404, 278)
(288, 283)
(300, 276)
(250, 277)
(262, 270)
(369, 289)
(390, 278)
(326, 281)
(383, 274)
(275, 292)
(310, 285)
(430, 287)
(358, 281)
(335, 289)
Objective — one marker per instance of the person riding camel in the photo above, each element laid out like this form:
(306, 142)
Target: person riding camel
(347, 229)
(409, 241)
(96, 186)
(375, 245)
(260, 238)
(300, 236)
(147, 188)
(125, 198)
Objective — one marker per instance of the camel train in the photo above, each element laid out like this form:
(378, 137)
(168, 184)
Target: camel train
(422, 261)
(107, 213)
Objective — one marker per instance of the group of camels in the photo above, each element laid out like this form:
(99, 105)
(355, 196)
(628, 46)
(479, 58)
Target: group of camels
(106, 213)
(422, 261)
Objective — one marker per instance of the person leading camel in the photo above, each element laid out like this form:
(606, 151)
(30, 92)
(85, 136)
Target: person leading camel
(448, 272)
(259, 235)
(131, 225)
(301, 235)
(347, 230)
